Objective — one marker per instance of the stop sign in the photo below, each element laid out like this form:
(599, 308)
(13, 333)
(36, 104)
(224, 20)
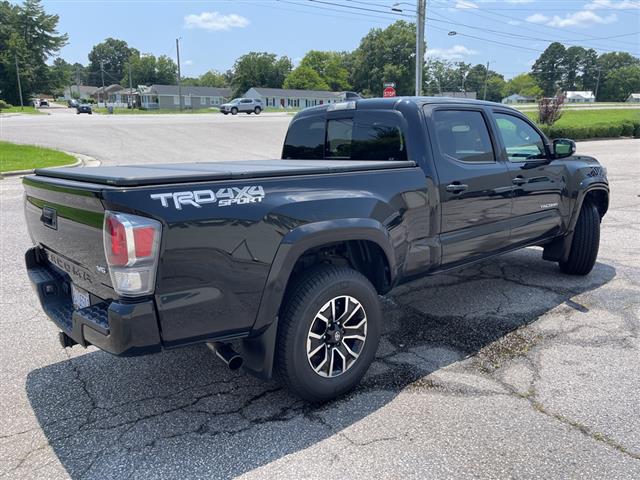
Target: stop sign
(389, 92)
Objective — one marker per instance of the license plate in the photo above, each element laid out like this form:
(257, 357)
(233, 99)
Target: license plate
(79, 297)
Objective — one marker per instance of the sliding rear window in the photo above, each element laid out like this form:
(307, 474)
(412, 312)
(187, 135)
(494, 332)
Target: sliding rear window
(367, 136)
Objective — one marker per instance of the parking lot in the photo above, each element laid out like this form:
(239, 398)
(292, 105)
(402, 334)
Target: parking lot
(504, 369)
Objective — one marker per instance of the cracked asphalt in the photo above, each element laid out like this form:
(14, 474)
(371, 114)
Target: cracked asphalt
(505, 369)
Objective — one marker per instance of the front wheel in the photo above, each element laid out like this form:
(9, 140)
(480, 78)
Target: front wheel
(328, 333)
(257, 110)
(234, 111)
(585, 243)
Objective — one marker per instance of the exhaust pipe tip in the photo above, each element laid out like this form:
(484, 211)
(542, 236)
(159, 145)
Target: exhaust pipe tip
(227, 354)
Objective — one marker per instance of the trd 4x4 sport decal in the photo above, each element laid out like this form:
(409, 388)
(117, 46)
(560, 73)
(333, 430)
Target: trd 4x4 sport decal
(224, 197)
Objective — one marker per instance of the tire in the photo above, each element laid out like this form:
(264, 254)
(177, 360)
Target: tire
(248, 112)
(234, 111)
(225, 113)
(585, 243)
(315, 378)
(257, 110)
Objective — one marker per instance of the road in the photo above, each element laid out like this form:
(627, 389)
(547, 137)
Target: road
(503, 369)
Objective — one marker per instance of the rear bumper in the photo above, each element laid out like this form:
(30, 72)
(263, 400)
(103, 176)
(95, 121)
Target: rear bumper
(120, 328)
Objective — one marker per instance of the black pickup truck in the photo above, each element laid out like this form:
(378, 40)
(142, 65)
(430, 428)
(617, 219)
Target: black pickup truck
(277, 265)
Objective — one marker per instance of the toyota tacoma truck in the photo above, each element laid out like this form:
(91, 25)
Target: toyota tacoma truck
(277, 265)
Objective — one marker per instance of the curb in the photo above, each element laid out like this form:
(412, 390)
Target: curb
(81, 160)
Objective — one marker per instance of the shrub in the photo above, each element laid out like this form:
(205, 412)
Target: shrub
(550, 109)
(4, 105)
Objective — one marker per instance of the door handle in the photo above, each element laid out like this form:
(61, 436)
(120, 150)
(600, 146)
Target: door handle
(519, 180)
(456, 187)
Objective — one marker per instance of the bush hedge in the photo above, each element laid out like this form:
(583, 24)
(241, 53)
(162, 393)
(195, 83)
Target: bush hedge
(611, 129)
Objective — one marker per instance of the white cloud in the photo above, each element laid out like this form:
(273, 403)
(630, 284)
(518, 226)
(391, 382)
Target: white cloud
(537, 18)
(624, 4)
(215, 21)
(454, 53)
(583, 18)
(513, 22)
(188, 62)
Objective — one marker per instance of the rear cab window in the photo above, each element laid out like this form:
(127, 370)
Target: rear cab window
(367, 135)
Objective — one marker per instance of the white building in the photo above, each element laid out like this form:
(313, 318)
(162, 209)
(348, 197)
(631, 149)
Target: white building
(584, 96)
(288, 98)
(633, 98)
(517, 98)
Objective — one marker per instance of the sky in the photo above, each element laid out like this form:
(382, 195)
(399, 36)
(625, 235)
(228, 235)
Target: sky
(510, 34)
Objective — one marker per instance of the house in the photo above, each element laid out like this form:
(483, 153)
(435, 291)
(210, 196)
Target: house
(81, 92)
(633, 98)
(583, 96)
(289, 98)
(472, 95)
(166, 97)
(101, 94)
(517, 98)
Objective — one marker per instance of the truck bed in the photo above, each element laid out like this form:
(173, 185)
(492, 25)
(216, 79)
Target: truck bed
(171, 173)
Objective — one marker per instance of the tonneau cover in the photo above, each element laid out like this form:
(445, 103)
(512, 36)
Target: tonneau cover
(156, 174)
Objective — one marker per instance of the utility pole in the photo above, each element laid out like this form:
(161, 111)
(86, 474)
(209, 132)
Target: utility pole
(486, 79)
(102, 75)
(595, 94)
(179, 86)
(420, 18)
(130, 87)
(19, 84)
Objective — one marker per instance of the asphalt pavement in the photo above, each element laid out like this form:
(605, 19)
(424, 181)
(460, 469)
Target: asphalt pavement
(506, 369)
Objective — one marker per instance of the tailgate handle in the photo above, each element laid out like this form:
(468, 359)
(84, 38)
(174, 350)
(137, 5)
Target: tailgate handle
(49, 217)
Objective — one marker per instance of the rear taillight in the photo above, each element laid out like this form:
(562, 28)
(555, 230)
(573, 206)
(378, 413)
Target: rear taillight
(131, 245)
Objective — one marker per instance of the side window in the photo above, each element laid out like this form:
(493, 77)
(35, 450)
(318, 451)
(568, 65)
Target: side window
(378, 137)
(521, 140)
(463, 135)
(339, 138)
(305, 139)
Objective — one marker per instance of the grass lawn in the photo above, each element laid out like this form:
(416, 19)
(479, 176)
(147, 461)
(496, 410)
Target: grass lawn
(25, 157)
(135, 111)
(28, 110)
(592, 117)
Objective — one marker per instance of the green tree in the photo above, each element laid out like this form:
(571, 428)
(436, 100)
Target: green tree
(385, 55)
(146, 69)
(305, 78)
(440, 76)
(259, 69)
(212, 78)
(114, 55)
(549, 68)
(615, 60)
(619, 83)
(330, 66)
(61, 75)
(166, 70)
(29, 34)
(524, 84)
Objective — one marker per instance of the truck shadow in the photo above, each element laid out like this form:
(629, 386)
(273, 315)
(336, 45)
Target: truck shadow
(181, 413)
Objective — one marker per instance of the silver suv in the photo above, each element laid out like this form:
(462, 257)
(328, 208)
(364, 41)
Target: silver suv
(247, 105)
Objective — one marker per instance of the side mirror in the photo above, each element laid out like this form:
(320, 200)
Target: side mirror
(563, 147)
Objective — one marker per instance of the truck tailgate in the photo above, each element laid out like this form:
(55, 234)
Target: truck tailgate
(67, 223)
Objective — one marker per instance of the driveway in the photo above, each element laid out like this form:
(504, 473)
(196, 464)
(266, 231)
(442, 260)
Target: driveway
(503, 369)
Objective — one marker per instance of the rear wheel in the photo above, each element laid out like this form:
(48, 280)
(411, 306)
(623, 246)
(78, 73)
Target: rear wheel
(328, 334)
(585, 243)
